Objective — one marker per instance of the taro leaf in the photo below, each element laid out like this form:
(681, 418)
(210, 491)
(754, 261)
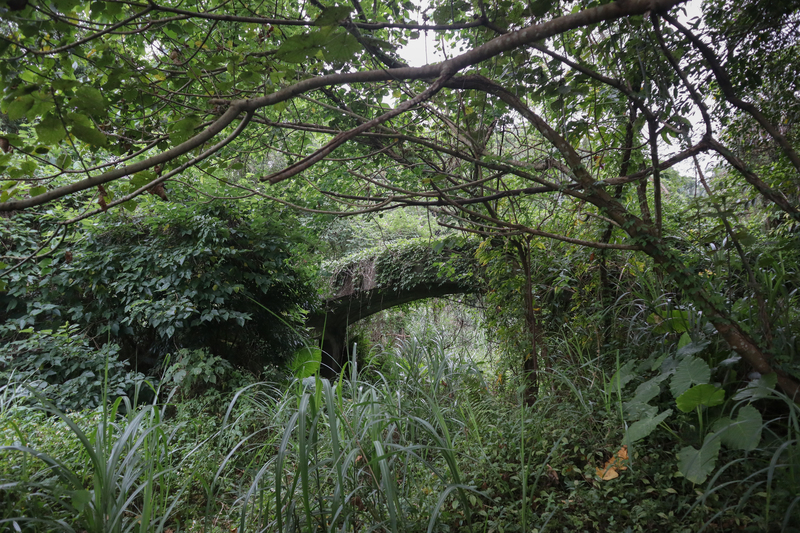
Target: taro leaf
(638, 408)
(690, 371)
(332, 15)
(759, 388)
(732, 360)
(742, 434)
(50, 130)
(649, 389)
(642, 428)
(692, 348)
(705, 394)
(621, 377)
(306, 362)
(668, 364)
(696, 465)
(684, 340)
(89, 100)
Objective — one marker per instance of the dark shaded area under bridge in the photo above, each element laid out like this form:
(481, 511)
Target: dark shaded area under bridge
(390, 277)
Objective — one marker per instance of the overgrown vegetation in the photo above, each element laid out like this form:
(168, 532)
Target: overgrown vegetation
(643, 418)
(202, 201)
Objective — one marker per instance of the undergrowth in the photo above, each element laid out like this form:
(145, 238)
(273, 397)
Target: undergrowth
(417, 441)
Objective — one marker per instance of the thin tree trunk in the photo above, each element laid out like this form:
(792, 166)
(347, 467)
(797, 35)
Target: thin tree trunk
(530, 366)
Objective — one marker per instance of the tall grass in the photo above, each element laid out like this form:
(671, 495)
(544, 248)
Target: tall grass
(130, 482)
(352, 453)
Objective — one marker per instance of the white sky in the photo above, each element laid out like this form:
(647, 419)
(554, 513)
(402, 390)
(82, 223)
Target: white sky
(423, 51)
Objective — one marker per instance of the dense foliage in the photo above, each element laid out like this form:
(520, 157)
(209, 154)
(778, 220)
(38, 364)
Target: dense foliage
(183, 276)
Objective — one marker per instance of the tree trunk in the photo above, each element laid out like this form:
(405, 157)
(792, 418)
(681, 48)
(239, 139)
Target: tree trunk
(530, 366)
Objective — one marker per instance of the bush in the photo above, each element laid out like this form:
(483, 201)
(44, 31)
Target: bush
(63, 366)
(185, 276)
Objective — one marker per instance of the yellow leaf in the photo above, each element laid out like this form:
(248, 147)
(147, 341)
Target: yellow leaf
(614, 465)
(609, 473)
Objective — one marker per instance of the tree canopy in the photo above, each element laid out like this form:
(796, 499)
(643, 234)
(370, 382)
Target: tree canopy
(547, 119)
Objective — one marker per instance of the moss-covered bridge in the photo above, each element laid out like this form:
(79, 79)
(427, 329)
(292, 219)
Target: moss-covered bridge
(396, 274)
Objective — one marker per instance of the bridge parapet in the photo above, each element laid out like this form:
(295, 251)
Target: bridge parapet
(404, 264)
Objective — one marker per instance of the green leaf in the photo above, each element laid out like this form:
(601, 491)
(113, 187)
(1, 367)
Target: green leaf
(79, 119)
(707, 395)
(341, 47)
(28, 167)
(140, 179)
(183, 129)
(638, 408)
(684, 340)
(690, 371)
(36, 191)
(64, 161)
(19, 107)
(64, 85)
(332, 15)
(696, 465)
(539, 7)
(50, 130)
(642, 428)
(80, 498)
(89, 135)
(89, 100)
(649, 389)
(674, 321)
(742, 434)
(42, 103)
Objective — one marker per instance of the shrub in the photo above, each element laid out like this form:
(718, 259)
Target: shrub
(63, 366)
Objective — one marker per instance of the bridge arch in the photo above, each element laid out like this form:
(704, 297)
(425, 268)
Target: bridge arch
(397, 274)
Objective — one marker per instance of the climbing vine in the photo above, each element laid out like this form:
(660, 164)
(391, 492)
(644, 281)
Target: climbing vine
(408, 263)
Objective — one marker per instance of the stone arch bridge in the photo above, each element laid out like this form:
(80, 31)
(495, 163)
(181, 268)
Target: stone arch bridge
(394, 275)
